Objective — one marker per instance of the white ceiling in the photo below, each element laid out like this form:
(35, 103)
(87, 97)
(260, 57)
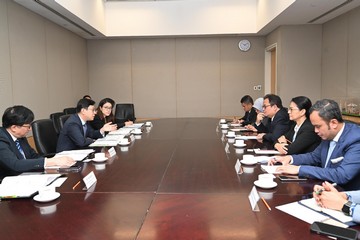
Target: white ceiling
(92, 18)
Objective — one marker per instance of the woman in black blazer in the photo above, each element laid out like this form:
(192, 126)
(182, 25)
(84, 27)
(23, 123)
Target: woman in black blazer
(301, 137)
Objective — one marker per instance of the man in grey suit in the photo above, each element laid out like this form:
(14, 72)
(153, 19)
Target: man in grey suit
(16, 155)
(337, 158)
(77, 133)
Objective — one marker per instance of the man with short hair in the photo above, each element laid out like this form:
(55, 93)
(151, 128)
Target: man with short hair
(337, 158)
(77, 133)
(278, 119)
(250, 112)
(16, 155)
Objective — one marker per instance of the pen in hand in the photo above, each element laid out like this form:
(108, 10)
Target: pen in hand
(318, 192)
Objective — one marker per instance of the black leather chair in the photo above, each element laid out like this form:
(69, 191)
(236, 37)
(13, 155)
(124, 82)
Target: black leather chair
(70, 110)
(124, 112)
(45, 136)
(62, 121)
(55, 118)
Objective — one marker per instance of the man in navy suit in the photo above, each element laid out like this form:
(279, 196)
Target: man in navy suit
(16, 155)
(77, 133)
(337, 158)
(278, 122)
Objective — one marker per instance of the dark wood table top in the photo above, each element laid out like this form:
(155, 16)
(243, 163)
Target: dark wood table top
(175, 181)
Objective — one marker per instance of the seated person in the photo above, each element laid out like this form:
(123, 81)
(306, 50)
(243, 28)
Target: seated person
(16, 154)
(250, 112)
(336, 159)
(77, 133)
(330, 197)
(278, 120)
(105, 114)
(301, 137)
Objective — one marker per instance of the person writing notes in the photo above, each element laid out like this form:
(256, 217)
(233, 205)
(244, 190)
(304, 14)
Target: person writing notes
(278, 119)
(329, 197)
(250, 112)
(301, 137)
(337, 158)
(16, 155)
(77, 133)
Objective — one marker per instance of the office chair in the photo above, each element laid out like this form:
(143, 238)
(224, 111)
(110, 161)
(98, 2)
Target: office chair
(62, 120)
(124, 112)
(55, 118)
(45, 137)
(70, 110)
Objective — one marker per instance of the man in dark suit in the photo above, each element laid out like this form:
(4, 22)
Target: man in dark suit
(250, 112)
(278, 122)
(337, 158)
(16, 155)
(77, 133)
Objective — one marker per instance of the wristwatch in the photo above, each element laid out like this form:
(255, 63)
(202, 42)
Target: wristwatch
(346, 208)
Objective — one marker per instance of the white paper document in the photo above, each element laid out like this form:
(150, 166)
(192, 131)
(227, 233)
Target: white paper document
(135, 125)
(262, 159)
(77, 155)
(245, 137)
(261, 151)
(121, 131)
(270, 169)
(108, 141)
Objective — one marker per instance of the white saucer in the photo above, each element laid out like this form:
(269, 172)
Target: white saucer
(267, 186)
(224, 127)
(230, 136)
(47, 197)
(249, 162)
(239, 146)
(137, 133)
(235, 124)
(235, 129)
(99, 159)
(124, 144)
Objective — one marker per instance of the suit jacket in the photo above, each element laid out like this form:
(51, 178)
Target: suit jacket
(277, 127)
(11, 160)
(344, 164)
(306, 139)
(249, 117)
(72, 135)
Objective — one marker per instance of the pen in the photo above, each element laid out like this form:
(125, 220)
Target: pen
(76, 185)
(318, 192)
(266, 204)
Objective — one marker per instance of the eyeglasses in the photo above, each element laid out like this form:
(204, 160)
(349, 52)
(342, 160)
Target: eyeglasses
(265, 106)
(293, 109)
(93, 110)
(107, 108)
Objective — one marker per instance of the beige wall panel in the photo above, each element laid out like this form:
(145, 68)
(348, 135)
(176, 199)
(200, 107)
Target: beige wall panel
(153, 74)
(6, 92)
(109, 64)
(28, 59)
(353, 86)
(198, 77)
(79, 67)
(59, 69)
(334, 58)
(240, 72)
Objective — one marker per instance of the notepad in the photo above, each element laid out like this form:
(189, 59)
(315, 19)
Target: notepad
(25, 186)
(270, 169)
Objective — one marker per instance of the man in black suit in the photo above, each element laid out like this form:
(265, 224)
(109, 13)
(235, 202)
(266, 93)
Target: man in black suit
(16, 155)
(250, 112)
(278, 119)
(77, 133)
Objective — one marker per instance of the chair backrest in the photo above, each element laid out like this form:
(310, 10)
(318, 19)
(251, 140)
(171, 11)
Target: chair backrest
(70, 110)
(55, 118)
(125, 111)
(45, 136)
(62, 120)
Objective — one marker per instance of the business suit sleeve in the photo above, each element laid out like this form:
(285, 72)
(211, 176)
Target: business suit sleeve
(279, 126)
(97, 123)
(305, 139)
(75, 133)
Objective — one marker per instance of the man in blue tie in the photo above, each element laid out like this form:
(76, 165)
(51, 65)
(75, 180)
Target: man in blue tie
(337, 158)
(77, 133)
(16, 155)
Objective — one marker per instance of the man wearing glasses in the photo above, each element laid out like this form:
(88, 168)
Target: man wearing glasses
(278, 119)
(16, 155)
(77, 133)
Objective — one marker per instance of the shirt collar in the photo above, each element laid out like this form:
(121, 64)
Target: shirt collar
(336, 138)
(82, 121)
(12, 136)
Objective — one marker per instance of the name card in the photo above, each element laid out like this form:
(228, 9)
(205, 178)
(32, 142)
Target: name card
(254, 198)
(90, 179)
(132, 137)
(112, 152)
(238, 167)
(223, 138)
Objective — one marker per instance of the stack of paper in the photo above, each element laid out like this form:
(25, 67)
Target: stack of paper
(121, 131)
(135, 125)
(77, 155)
(108, 141)
(270, 169)
(270, 152)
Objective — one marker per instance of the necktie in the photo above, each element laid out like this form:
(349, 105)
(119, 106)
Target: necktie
(84, 128)
(331, 149)
(17, 143)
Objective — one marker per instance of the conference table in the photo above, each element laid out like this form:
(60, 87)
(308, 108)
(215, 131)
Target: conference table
(174, 181)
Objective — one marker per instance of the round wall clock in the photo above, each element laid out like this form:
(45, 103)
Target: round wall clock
(244, 45)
